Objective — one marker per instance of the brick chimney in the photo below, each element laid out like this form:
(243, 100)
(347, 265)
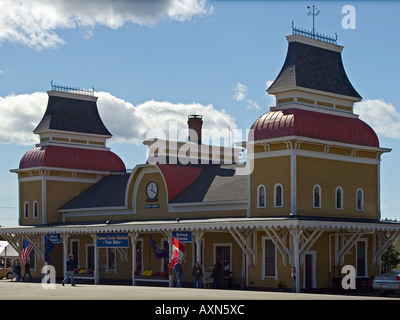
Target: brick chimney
(195, 123)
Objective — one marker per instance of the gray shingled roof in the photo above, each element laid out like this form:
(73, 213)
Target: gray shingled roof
(215, 183)
(315, 68)
(108, 192)
(73, 115)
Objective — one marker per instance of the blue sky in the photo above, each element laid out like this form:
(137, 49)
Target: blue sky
(152, 63)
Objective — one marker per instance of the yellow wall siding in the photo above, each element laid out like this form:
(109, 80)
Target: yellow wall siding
(269, 172)
(59, 193)
(330, 174)
(30, 191)
(141, 198)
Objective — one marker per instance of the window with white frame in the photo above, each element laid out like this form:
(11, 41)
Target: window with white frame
(111, 260)
(139, 256)
(35, 209)
(317, 196)
(361, 258)
(269, 267)
(26, 209)
(278, 195)
(360, 200)
(261, 196)
(75, 252)
(339, 198)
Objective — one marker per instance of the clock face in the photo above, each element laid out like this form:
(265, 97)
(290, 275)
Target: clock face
(151, 190)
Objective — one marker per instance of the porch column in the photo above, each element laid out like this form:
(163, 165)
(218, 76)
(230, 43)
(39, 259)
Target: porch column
(133, 236)
(198, 234)
(96, 273)
(168, 234)
(65, 237)
(296, 232)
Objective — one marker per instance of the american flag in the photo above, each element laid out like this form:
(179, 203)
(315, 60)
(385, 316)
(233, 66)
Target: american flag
(26, 251)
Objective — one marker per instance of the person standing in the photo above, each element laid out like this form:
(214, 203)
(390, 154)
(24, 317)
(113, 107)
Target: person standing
(215, 277)
(16, 269)
(179, 272)
(69, 271)
(27, 271)
(197, 273)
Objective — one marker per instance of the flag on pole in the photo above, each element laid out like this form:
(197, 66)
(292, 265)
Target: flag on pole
(178, 249)
(26, 251)
(48, 246)
(160, 253)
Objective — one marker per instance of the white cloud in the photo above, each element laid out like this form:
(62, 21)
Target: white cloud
(252, 105)
(34, 22)
(382, 116)
(129, 123)
(240, 92)
(20, 114)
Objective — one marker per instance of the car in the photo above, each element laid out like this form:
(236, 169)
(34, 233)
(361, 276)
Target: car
(388, 282)
(6, 273)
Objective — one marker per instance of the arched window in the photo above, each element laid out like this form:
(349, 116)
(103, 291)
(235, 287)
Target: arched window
(261, 203)
(35, 209)
(360, 200)
(317, 196)
(339, 198)
(278, 195)
(26, 209)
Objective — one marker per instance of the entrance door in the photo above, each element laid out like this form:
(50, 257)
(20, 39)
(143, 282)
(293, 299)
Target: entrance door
(308, 271)
(223, 263)
(310, 279)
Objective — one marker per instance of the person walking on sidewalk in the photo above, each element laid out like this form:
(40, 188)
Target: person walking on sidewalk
(70, 271)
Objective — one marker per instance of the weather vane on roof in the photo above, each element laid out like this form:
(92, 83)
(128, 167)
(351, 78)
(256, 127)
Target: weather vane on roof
(313, 13)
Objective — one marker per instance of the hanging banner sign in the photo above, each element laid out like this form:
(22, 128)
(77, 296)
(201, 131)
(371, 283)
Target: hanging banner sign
(54, 237)
(183, 236)
(112, 240)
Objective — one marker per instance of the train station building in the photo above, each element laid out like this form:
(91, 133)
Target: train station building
(305, 203)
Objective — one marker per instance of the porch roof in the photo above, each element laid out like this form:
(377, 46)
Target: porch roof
(211, 224)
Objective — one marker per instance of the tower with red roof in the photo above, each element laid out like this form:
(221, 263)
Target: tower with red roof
(71, 156)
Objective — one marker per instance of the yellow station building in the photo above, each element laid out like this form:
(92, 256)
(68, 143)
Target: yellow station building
(305, 203)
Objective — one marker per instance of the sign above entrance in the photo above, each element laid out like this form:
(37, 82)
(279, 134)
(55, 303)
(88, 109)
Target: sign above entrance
(54, 237)
(183, 236)
(112, 240)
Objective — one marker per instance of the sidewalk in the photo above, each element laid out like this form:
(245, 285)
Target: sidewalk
(34, 291)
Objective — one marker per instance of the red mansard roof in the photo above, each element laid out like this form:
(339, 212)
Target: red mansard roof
(72, 158)
(318, 125)
(178, 177)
